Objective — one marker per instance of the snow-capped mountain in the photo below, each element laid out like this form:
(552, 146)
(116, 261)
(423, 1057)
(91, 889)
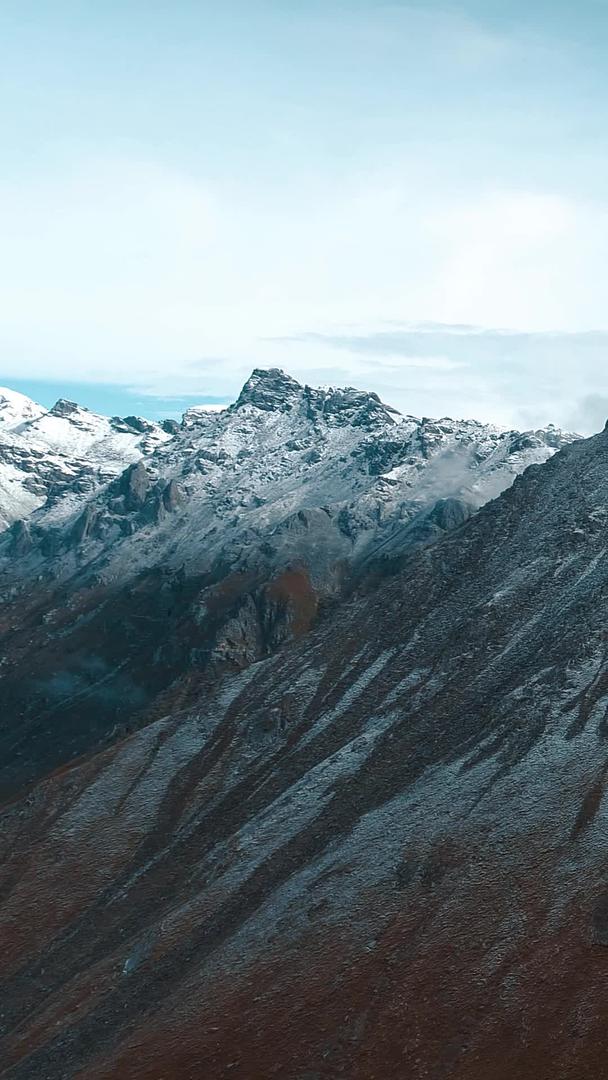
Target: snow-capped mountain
(378, 852)
(17, 410)
(222, 541)
(280, 457)
(72, 429)
(61, 456)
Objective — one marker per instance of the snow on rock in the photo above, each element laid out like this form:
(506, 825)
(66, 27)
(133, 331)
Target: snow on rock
(323, 477)
(72, 429)
(58, 458)
(280, 449)
(17, 409)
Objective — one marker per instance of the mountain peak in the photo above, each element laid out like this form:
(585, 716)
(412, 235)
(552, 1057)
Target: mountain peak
(270, 389)
(66, 408)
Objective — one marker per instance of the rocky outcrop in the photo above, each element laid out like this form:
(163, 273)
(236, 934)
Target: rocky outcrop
(84, 526)
(134, 485)
(172, 496)
(64, 408)
(21, 540)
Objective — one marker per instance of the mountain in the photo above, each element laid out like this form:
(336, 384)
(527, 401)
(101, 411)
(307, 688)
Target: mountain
(17, 410)
(57, 458)
(220, 543)
(357, 441)
(115, 441)
(377, 852)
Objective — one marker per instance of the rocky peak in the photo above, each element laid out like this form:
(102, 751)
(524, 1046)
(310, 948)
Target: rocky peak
(271, 390)
(66, 408)
(359, 408)
(134, 484)
(135, 424)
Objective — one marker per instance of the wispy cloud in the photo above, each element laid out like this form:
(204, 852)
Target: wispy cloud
(515, 377)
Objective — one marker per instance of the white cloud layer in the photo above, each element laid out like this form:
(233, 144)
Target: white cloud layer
(182, 198)
(126, 272)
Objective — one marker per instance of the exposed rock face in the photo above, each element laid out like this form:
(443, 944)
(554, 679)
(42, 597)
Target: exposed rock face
(64, 408)
(377, 853)
(134, 485)
(270, 390)
(21, 539)
(172, 496)
(83, 527)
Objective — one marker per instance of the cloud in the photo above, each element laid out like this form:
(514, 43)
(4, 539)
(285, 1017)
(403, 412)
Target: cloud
(395, 348)
(590, 413)
(515, 378)
(118, 270)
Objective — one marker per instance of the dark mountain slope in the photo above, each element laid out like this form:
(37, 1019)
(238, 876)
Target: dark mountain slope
(381, 853)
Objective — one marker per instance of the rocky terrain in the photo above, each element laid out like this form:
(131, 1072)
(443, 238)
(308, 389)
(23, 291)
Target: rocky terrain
(186, 552)
(376, 849)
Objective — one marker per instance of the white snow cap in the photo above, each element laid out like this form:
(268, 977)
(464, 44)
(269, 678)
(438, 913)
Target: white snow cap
(17, 409)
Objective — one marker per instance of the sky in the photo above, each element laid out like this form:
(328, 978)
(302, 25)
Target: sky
(408, 198)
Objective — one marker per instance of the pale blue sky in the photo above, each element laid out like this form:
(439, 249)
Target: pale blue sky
(191, 189)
